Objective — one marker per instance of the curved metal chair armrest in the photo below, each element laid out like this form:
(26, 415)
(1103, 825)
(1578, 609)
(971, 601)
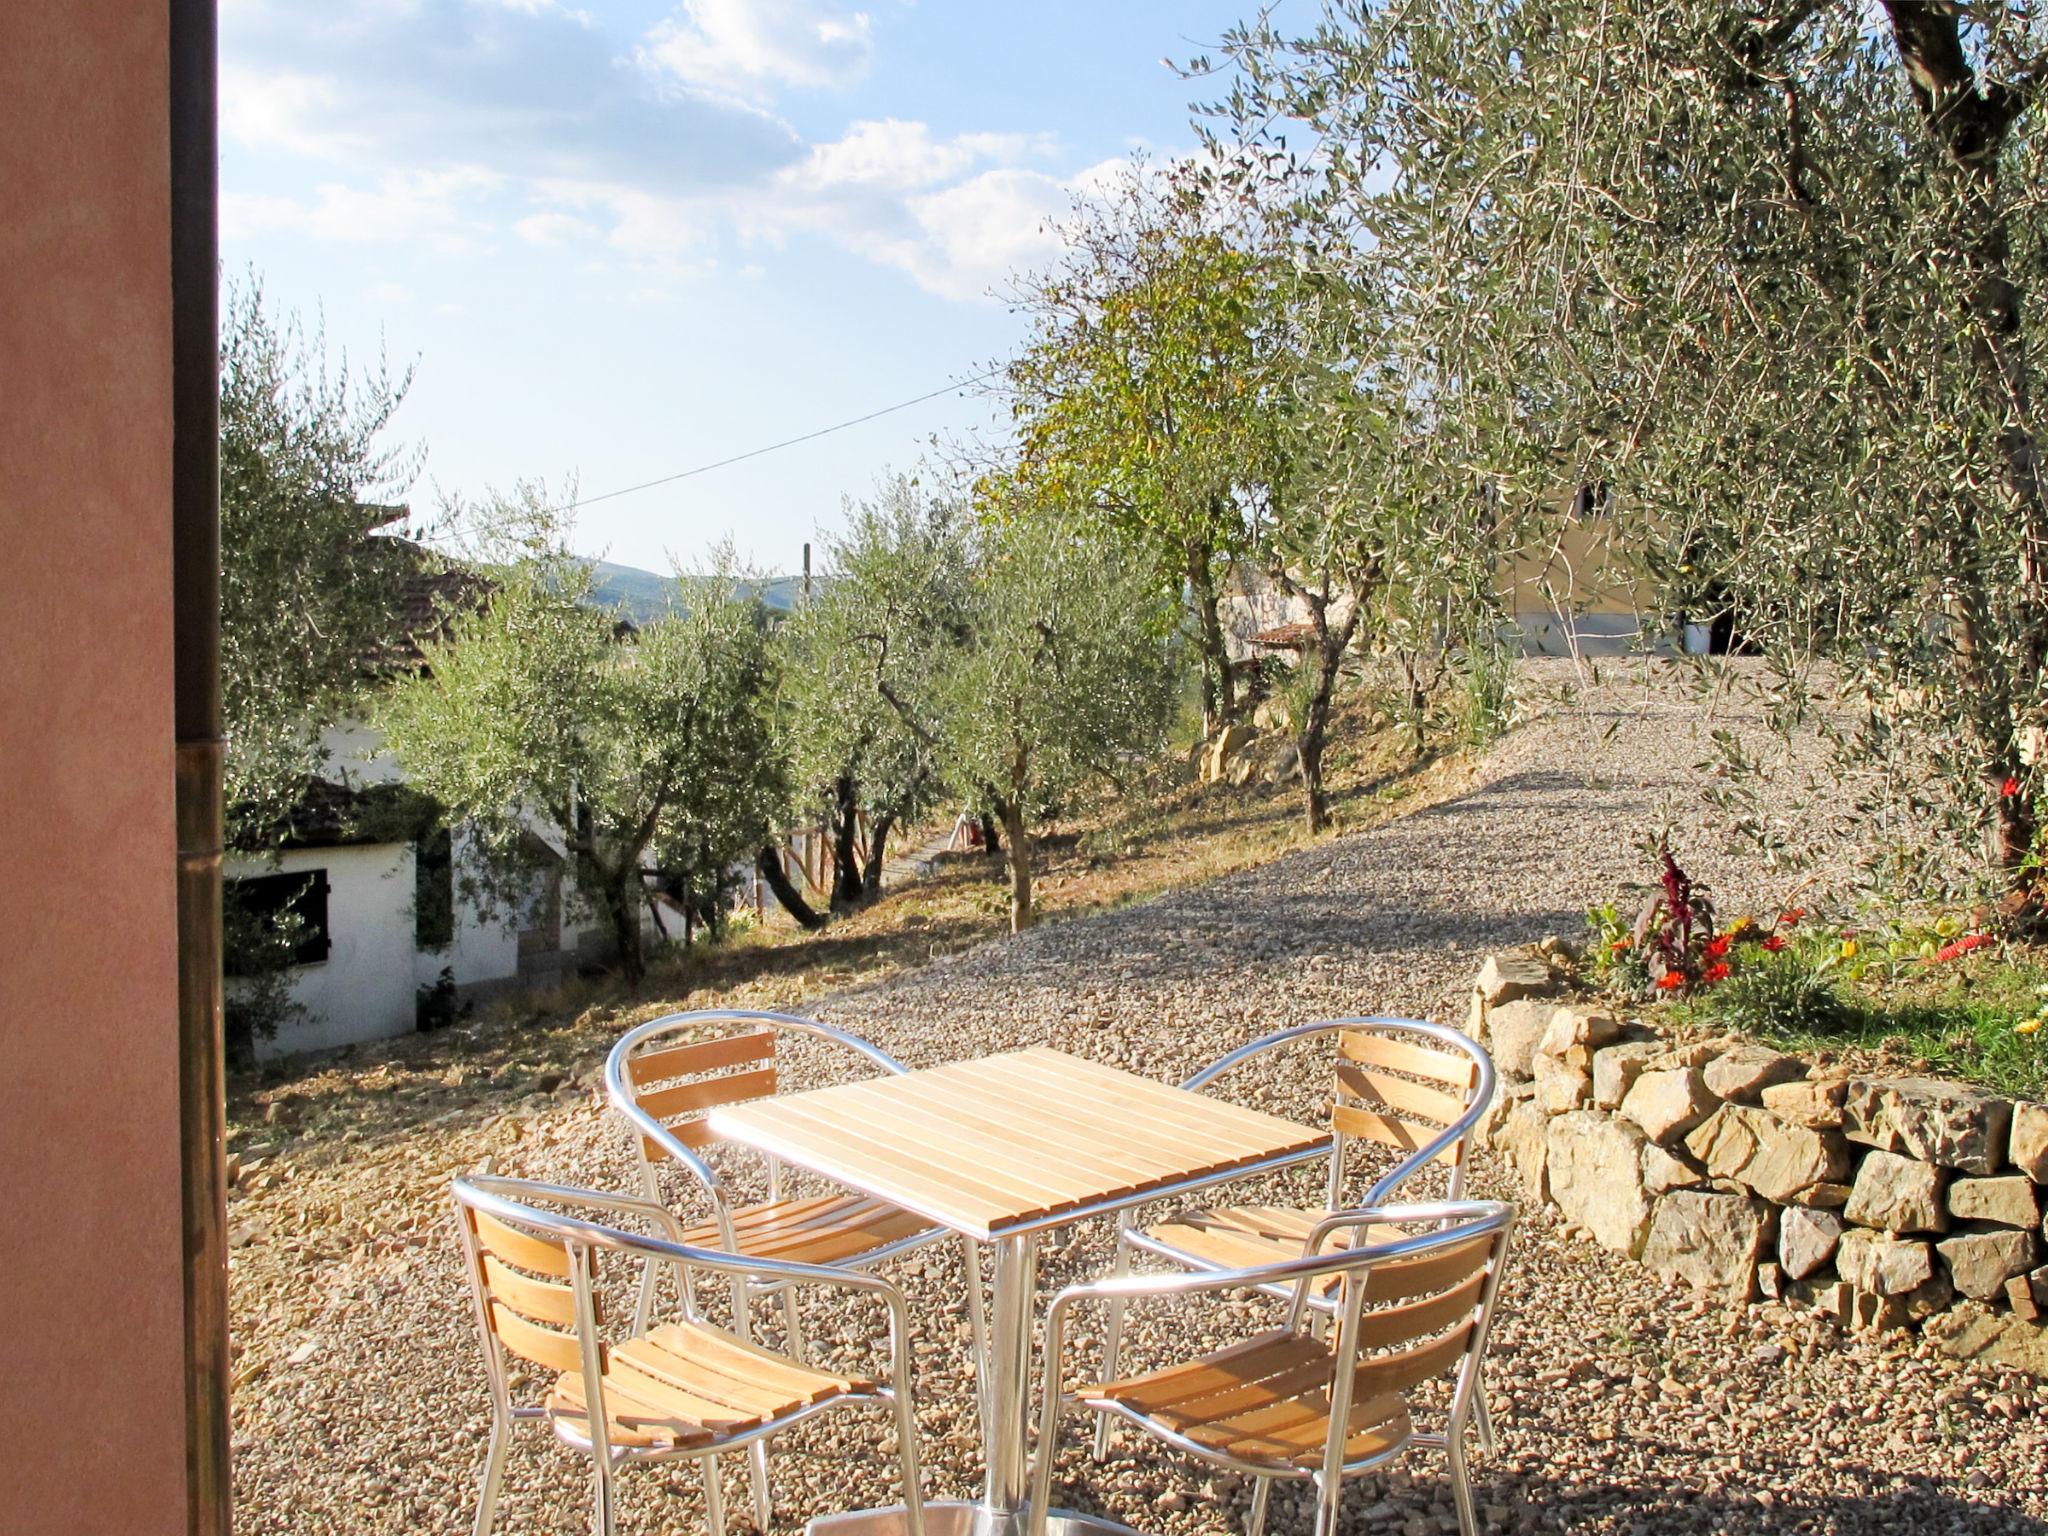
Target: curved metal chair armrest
(564, 1194)
(488, 1193)
(1386, 1215)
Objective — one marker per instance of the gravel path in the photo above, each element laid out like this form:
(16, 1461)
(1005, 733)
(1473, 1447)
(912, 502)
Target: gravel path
(1623, 1406)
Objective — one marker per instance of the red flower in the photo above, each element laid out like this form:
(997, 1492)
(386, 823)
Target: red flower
(1619, 945)
(1790, 919)
(1717, 946)
(2010, 787)
(1775, 942)
(1670, 981)
(1959, 947)
(1718, 971)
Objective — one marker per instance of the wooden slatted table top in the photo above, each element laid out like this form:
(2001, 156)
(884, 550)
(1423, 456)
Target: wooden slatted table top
(1011, 1141)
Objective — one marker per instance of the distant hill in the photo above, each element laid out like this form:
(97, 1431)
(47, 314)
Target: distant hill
(646, 596)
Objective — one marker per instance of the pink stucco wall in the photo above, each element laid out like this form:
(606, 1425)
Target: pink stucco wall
(91, 1426)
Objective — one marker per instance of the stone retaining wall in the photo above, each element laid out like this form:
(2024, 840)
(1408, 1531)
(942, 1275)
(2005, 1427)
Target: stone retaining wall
(1888, 1202)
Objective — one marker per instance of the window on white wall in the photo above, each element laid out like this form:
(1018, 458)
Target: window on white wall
(296, 901)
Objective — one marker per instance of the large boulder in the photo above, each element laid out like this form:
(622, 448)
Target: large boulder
(1665, 1170)
(1575, 1032)
(1513, 974)
(1616, 1068)
(1807, 1239)
(1666, 1104)
(1596, 1178)
(1746, 1070)
(1938, 1122)
(2009, 1200)
(2029, 1146)
(1560, 1086)
(1981, 1262)
(1513, 1031)
(1224, 746)
(1899, 1194)
(1883, 1265)
(1757, 1149)
(1711, 1241)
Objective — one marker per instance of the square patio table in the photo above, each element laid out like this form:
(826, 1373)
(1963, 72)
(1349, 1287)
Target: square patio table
(1001, 1149)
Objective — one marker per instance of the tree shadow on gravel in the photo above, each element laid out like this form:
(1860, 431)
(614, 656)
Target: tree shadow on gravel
(1659, 1505)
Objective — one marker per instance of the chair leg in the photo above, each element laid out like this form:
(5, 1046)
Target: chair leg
(1112, 1340)
(494, 1477)
(1329, 1496)
(1261, 1492)
(757, 1474)
(907, 1464)
(1482, 1421)
(792, 1324)
(1041, 1470)
(977, 1324)
(602, 1515)
(714, 1498)
(1461, 1485)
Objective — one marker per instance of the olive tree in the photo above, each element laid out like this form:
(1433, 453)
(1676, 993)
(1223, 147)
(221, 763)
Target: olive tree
(1067, 669)
(864, 659)
(550, 726)
(1772, 272)
(1137, 396)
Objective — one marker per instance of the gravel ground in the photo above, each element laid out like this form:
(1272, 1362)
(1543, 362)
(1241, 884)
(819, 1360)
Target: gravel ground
(1623, 1405)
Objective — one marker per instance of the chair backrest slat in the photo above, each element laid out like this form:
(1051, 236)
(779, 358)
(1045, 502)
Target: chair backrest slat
(708, 1093)
(701, 1056)
(1381, 1092)
(519, 1248)
(1349, 1120)
(1393, 1326)
(1404, 1368)
(1424, 1274)
(543, 1346)
(1370, 1049)
(540, 1301)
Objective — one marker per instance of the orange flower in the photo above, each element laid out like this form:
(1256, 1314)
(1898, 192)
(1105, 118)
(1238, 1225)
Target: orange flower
(1718, 971)
(1717, 946)
(1791, 918)
(1670, 981)
(1619, 945)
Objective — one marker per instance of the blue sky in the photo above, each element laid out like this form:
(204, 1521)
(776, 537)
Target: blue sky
(629, 237)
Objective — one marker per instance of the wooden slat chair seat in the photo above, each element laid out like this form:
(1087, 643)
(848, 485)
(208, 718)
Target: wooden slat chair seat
(686, 1388)
(1265, 1400)
(689, 1383)
(1415, 1294)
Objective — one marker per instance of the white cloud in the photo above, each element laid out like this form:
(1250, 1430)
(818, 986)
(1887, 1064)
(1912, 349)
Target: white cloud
(741, 45)
(431, 207)
(389, 293)
(894, 153)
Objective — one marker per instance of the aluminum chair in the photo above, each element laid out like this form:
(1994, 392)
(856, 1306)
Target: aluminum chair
(1421, 1100)
(665, 1089)
(1295, 1402)
(683, 1390)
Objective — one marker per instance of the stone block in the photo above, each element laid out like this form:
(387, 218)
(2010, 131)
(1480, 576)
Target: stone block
(1575, 1028)
(2028, 1147)
(1807, 1240)
(1881, 1264)
(1745, 1071)
(1755, 1148)
(1694, 1054)
(1225, 745)
(1560, 1087)
(2019, 1295)
(1519, 1137)
(1616, 1069)
(1814, 1102)
(1513, 1030)
(1870, 1311)
(1666, 1170)
(1981, 1262)
(1899, 1194)
(1505, 1097)
(1595, 1170)
(2008, 1200)
(1712, 1242)
(1938, 1122)
(1974, 1332)
(1666, 1104)
(1514, 974)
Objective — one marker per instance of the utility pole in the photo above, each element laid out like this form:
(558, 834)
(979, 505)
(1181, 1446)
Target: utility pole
(807, 572)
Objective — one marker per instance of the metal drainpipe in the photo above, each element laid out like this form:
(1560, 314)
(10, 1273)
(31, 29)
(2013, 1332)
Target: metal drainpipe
(195, 586)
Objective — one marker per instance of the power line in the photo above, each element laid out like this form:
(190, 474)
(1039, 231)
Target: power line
(788, 442)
